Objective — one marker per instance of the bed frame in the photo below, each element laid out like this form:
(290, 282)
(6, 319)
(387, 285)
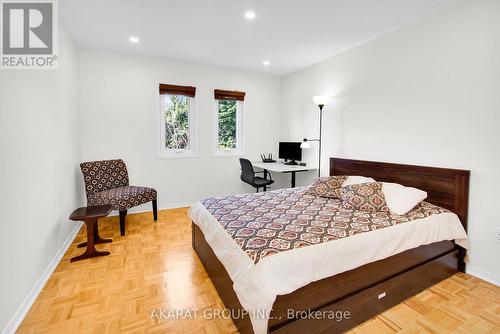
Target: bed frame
(372, 288)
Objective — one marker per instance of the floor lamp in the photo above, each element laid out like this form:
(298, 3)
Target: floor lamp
(320, 101)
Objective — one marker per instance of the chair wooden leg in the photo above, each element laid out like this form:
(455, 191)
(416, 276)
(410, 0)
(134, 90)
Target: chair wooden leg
(155, 210)
(123, 214)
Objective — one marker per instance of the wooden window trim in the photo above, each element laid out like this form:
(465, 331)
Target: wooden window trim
(178, 90)
(220, 94)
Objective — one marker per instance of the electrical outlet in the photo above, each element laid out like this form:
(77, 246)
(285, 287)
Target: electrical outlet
(497, 239)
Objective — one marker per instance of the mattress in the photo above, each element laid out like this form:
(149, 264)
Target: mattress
(273, 243)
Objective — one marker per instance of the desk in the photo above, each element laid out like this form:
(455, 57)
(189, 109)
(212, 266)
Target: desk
(280, 167)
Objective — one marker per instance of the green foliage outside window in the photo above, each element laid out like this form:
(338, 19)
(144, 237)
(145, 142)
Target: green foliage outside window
(227, 123)
(176, 122)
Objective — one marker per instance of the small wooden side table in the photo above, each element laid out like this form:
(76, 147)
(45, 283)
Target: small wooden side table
(89, 215)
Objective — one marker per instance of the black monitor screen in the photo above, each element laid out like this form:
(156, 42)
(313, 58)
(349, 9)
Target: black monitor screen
(290, 151)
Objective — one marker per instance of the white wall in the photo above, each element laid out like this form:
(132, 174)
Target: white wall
(426, 94)
(40, 151)
(119, 102)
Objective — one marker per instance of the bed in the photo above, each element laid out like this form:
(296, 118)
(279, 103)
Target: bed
(364, 290)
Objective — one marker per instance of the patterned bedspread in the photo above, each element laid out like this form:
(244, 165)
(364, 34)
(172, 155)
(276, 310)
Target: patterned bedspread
(267, 223)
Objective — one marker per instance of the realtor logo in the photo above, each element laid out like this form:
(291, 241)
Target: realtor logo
(29, 34)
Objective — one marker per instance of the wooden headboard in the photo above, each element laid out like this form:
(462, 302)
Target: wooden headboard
(448, 188)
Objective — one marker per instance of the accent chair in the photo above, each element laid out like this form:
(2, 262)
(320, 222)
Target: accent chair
(107, 183)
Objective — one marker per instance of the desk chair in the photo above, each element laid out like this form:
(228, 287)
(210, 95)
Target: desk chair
(248, 176)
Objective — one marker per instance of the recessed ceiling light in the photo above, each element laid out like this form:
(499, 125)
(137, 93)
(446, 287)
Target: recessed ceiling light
(266, 63)
(133, 39)
(250, 15)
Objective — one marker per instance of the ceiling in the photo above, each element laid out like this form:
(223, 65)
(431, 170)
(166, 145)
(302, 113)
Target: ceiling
(291, 34)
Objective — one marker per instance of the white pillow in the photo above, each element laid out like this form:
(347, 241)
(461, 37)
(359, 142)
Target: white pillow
(356, 180)
(400, 199)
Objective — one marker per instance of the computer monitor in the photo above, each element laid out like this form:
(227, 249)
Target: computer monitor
(290, 151)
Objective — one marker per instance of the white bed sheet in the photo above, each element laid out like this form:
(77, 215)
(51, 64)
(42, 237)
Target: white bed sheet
(257, 285)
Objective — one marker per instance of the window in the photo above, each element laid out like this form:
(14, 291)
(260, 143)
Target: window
(176, 125)
(228, 122)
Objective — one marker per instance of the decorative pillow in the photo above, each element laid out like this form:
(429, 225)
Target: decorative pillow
(364, 197)
(401, 199)
(328, 186)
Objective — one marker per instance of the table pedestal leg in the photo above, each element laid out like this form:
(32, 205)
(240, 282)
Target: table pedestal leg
(293, 179)
(97, 238)
(90, 251)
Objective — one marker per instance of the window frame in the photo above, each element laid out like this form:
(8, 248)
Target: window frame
(227, 152)
(163, 152)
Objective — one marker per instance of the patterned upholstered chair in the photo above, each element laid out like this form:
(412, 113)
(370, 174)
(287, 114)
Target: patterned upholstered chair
(106, 183)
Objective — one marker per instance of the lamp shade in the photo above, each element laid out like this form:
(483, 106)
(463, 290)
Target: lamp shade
(321, 100)
(305, 145)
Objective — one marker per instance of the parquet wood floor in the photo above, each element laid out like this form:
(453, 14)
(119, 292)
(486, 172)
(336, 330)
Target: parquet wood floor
(153, 267)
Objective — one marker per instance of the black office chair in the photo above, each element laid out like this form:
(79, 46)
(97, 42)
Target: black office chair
(248, 176)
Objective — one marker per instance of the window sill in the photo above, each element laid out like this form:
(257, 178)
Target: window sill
(223, 154)
(177, 156)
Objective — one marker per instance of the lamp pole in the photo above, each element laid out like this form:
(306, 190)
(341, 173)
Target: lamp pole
(320, 101)
(320, 127)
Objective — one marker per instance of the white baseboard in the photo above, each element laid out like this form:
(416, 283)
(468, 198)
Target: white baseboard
(164, 207)
(25, 306)
(483, 274)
